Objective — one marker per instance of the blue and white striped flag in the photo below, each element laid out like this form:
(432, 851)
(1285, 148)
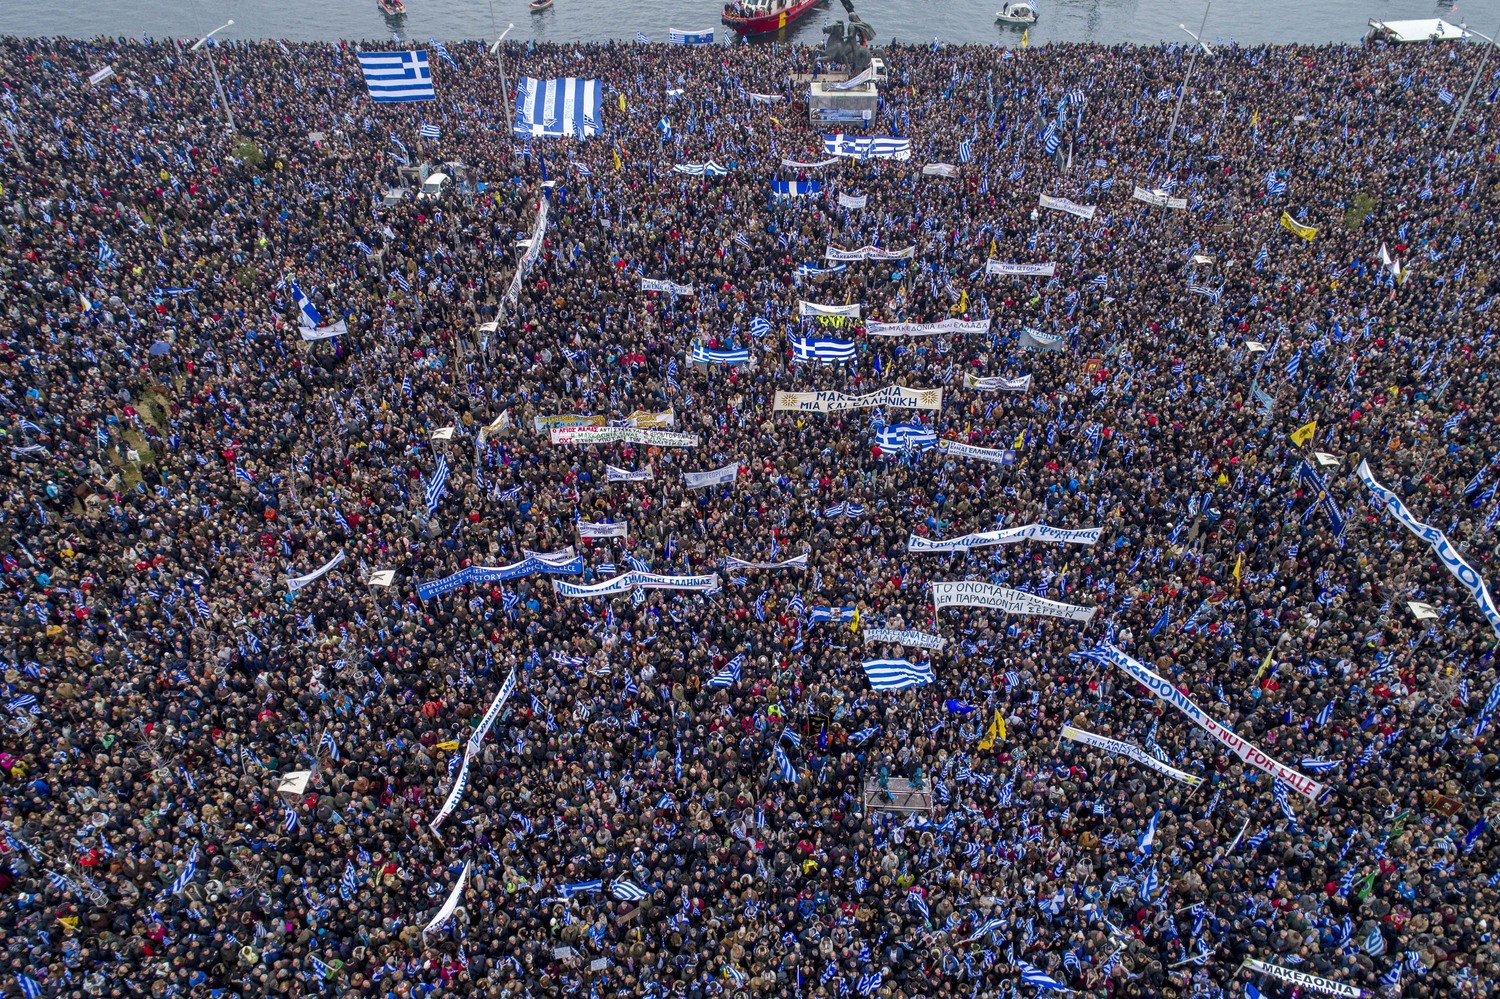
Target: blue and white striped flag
(188, 872)
(784, 767)
(819, 349)
(896, 674)
(1032, 975)
(730, 674)
(966, 150)
(430, 131)
(393, 77)
(106, 255)
(627, 891)
(438, 484)
(1326, 715)
(30, 989)
(580, 887)
(641, 39)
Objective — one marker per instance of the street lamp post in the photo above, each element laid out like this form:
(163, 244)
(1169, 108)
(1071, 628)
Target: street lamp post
(1186, 80)
(228, 115)
(1463, 104)
(504, 90)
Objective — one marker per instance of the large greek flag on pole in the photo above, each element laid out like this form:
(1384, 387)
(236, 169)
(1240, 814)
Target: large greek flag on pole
(557, 108)
(816, 349)
(397, 76)
(676, 36)
(896, 674)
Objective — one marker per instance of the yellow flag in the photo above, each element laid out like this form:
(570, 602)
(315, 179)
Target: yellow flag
(1020, 440)
(1267, 664)
(1290, 224)
(1304, 433)
(1026, 38)
(617, 159)
(995, 731)
(994, 247)
(854, 624)
(622, 102)
(1254, 118)
(1239, 564)
(774, 121)
(1223, 479)
(963, 301)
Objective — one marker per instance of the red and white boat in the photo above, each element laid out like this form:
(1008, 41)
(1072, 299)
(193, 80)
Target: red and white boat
(756, 17)
(391, 8)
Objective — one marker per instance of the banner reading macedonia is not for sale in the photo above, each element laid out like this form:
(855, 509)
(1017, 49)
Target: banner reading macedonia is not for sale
(837, 402)
(1247, 751)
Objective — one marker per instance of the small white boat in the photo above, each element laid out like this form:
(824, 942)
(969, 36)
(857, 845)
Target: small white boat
(537, 6)
(1017, 12)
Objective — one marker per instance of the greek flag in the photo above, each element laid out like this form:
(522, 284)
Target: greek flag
(1445, 95)
(817, 349)
(181, 881)
(709, 169)
(1275, 187)
(627, 891)
(1032, 975)
(557, 108)
(676, 36)
(348, 883)
(641, 39)
(1326, 715)
(1150, 884)
(966, 150)
(702, 355)
(393, 77)
(1261, 257)
(1374, 944)
(579, 887)
(1050, 140)
(784, 766)
(430, 131)
(106, 255)
(29, 987)
(916, 901)
(311, 318)
(759, 327)
(1294, 364)
(729, 674)
(899, 437)
(859, 738)
(438, 484)
(869, 983)
(896, 674)
(1147, 840)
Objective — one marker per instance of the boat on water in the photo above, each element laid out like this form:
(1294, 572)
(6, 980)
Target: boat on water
(756, 17)
(1017, 12)
(537, 6)
(391, 8)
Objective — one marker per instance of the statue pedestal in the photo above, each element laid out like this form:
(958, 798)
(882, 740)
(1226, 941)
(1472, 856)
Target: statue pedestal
(855, 108)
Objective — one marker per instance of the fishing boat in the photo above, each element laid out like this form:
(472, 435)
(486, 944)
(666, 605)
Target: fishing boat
(391, 8)
(537, 6)
(1017, 12)
(756, 17)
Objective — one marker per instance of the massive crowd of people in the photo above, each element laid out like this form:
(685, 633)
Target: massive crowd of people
(175, 451)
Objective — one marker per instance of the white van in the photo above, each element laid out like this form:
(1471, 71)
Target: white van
(434, 186)
(878, 67)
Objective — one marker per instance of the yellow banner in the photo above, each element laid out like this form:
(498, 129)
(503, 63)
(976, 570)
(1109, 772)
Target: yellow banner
(546, 424)
(1304, 433)
(1290, 224)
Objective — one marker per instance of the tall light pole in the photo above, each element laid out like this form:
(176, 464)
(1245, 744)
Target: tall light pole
(228, 115)
(1187, 80)
(1463, 104)
(504, 90)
